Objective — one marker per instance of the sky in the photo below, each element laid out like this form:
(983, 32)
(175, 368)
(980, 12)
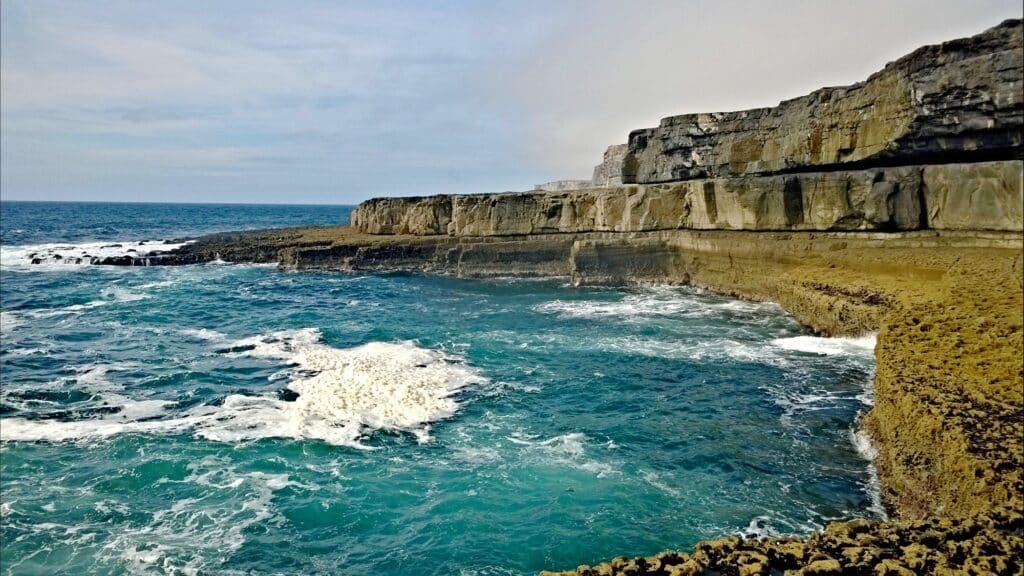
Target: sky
(336, 102)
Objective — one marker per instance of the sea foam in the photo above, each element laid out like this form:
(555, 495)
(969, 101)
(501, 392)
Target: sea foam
(652, 302)
(79, 254)
(342, 394)
(862, 345)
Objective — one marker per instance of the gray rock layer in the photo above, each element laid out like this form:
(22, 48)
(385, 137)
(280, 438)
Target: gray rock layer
(949, 102)
(559, 185)
(609, 171)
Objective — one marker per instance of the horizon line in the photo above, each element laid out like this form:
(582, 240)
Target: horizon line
(213, 203)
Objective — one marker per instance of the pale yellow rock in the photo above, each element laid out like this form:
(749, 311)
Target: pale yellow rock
(981, 196)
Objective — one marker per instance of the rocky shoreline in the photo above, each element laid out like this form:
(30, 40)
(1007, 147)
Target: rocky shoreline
(893, 205)
(948, 417)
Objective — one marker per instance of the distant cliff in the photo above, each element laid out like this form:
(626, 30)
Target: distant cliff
(973, 196)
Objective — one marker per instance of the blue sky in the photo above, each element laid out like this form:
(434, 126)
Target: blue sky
(334, 102)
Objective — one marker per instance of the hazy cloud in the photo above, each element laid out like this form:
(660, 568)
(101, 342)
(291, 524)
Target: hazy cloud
(618, 66)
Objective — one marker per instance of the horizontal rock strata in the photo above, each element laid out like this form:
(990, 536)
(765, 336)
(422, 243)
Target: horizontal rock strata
(961, 99)
(975, 196)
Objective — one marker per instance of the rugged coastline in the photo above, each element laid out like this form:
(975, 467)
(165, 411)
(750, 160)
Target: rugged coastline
(893, 205)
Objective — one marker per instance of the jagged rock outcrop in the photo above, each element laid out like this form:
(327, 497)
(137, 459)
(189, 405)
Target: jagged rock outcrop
(936, 546)
(956, 101)
(422, 215)
(609, 171)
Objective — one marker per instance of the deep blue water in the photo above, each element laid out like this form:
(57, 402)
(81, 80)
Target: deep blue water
(239, 419)
(25, 223)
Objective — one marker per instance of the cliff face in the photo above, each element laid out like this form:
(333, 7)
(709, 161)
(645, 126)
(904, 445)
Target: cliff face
(933, 141)
(978, 196)
(961, 99)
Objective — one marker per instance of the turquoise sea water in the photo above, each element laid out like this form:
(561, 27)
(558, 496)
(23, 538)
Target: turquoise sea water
(239, 419)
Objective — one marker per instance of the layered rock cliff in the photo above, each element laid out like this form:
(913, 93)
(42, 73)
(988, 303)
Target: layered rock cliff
(954, 101)
(974, 196)
(933, 141)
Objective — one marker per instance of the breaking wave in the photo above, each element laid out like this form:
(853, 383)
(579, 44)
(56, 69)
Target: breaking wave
(82, 254)
(862, 345)
(341, 394)
(664, 301)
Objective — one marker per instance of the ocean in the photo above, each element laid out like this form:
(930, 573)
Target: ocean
(241, 419)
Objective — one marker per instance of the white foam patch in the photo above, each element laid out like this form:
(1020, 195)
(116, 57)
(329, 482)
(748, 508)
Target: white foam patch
(565, 450)
(112, 294)
(121, 294)
(655, 480)
(28, 351)
(204, 334)
(93, 378)
(663, 301)
(774, 525)
(49, 255)
(722, 349)
(859, 346)
(866, 448)
(343, 393)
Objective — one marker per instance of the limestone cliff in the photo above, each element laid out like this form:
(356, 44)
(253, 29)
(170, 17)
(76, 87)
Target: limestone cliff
(976, 196)
(933, 141)
(961, 100)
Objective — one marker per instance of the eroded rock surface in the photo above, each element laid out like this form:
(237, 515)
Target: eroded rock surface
(972, 196)
(960, 99)
(990, 544)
